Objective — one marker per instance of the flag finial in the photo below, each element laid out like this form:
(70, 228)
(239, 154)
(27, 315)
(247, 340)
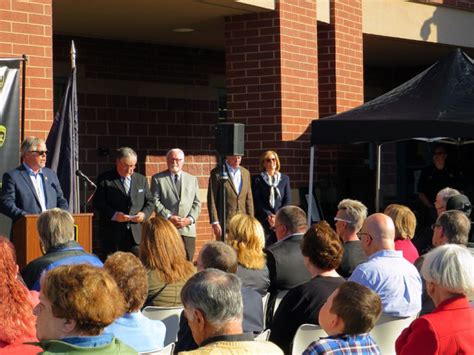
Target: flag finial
(73, 55)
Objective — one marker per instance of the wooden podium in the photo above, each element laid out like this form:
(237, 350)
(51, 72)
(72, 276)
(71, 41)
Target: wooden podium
(26, 238)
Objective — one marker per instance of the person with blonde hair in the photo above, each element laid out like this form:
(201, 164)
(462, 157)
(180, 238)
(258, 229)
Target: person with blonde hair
(405, 224)
(17, 323)
(449, 329)
(271, 191)
(163, 254)
(247, 237)
(76, 303)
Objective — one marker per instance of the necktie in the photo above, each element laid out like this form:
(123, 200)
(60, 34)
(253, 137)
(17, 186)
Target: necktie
(177, 183)
(126, 184)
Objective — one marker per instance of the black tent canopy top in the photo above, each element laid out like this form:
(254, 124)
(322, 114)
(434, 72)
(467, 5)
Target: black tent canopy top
(439, 102)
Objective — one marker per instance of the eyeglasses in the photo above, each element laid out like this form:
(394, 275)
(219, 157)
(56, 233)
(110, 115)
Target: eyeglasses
(342, 220)
(39, 152)
(434, 225)
(361, 234)
(270, 160)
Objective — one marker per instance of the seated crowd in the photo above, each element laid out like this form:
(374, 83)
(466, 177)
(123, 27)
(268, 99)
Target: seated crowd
(340, 279)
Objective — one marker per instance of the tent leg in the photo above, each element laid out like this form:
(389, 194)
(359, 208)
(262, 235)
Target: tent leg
(377, 182)
(310, 187)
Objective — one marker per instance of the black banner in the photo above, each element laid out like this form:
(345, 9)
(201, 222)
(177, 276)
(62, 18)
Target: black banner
(63, 145)
(9, 123)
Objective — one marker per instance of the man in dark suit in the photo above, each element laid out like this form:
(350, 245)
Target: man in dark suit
(31, 188)
(238, 193)
(124, 201)
(176, 198)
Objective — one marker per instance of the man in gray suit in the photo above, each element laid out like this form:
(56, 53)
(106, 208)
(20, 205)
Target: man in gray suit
(176, 198)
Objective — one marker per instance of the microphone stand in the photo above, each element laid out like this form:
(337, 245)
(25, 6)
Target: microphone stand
(223, 178)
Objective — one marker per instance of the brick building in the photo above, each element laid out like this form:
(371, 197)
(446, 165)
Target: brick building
(159, 74)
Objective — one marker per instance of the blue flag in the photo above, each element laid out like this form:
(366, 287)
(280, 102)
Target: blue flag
(63, 145)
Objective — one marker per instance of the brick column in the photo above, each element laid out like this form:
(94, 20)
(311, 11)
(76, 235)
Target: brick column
(341, 87)
(26, 28)
(271, 69)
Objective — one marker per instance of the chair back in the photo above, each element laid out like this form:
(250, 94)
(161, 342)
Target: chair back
(169, 316)
(387, 329)
(263, 336)
(167, 350)
(265, 307)
(305, 335)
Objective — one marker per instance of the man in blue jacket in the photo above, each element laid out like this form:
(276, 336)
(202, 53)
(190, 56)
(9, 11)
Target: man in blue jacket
(31, 188)
(56, 232)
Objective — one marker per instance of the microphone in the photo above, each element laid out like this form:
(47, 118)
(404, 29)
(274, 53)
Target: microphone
(84, 176)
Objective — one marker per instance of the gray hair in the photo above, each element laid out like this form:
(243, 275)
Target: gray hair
(29, 143)
(293, 218)
(217, 294)
(456, 226)
(446, 193)
(177, 150)
(450, 266)
(353, 211)
(55, 227)
(125, 152)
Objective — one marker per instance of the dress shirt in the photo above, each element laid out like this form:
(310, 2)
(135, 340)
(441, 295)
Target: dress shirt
(37, 181)
(236, 176)
(361, 344)
(395, 279)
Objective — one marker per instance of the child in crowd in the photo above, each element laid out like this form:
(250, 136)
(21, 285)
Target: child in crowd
(347, 316)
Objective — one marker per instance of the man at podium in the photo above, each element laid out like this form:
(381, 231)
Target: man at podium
(31, 188)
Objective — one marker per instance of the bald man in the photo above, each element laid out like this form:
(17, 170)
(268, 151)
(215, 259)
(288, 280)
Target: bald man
(386, 271)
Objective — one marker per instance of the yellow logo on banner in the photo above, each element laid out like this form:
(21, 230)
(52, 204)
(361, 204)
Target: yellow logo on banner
(3, 134)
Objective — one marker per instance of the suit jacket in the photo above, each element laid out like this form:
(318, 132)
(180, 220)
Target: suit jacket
(449, 329)
(261, 197)
(19, 196)
(286, 265)
(235, 203)
(110, 197)
(169, 202)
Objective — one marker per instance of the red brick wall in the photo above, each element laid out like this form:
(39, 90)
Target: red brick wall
(26, 28)
(148, 123)
(341, 87)
(271, 69)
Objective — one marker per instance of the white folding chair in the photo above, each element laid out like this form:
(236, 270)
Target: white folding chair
(167, 350)
(305, 335)
(265, 307)
(169, 316)
(387, 329)
(263, 336)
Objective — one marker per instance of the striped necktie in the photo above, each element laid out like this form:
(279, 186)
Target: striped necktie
(126, 184)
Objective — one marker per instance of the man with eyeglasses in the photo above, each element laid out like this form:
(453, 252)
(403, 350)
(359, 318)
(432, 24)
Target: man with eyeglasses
(31, 188)
(348, 221)
(386, 271)
(451, 227)
(176, 198)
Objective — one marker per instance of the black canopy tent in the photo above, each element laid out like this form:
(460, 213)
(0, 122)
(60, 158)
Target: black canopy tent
(436, 104)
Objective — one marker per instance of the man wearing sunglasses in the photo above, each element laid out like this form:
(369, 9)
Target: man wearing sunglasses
(31, 188)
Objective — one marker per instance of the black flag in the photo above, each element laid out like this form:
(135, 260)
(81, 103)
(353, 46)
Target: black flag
(63, 145)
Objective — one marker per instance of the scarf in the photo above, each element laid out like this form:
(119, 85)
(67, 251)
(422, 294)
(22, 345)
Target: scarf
(273, 182)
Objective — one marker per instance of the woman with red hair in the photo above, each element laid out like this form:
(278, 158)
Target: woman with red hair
(17, 322)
